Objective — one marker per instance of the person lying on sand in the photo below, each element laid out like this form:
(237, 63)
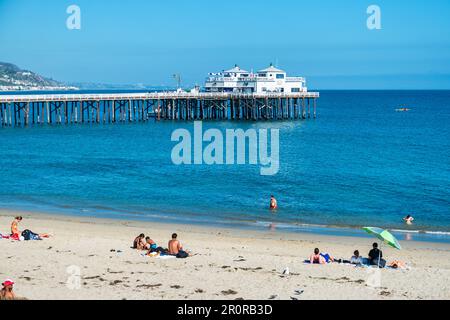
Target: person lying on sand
(397, 264)
(7, 292)
(175, 248)
(320, 258)
(139, 242)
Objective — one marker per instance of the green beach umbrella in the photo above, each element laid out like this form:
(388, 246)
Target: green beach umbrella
(384, 236)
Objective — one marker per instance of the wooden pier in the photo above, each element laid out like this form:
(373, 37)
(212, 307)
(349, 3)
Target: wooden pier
(25, 110)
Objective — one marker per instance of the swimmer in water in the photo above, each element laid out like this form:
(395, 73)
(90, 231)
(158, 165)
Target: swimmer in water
(273, 203)
(408, 219)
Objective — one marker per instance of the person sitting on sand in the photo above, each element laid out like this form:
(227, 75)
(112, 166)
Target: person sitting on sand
(320, 258)
(15, 233)
(151, 246)
(357, 259)
(7, 293)
(273, 203)
(175, 248)
(139, 242)
(376, 256)
(408, 219)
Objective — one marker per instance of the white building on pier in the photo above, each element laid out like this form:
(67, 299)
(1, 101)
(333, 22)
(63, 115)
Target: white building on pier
(270, 79)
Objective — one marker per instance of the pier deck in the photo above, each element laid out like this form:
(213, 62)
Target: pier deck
(23, 110)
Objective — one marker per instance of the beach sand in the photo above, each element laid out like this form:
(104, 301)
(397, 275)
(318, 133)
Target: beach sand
(228, 264)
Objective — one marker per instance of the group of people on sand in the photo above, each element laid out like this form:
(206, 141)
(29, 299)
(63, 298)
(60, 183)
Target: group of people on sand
(26, 234)
(375, 258)
(174, 247)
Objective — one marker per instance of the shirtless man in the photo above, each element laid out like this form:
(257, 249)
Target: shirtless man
(175, 247)
(316, 257)
(273, 203)
(7, 293)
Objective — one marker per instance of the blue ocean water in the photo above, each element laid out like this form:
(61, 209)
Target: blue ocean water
(359, 163)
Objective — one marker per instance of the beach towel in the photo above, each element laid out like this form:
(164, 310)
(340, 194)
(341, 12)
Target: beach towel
(165, 257)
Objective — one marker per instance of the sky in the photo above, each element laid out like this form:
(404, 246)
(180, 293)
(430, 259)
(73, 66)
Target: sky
(147, 41)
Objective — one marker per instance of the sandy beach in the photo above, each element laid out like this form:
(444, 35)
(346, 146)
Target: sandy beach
(228, 264)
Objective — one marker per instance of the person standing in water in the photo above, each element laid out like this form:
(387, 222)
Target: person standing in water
(273, 203)
(408, 219)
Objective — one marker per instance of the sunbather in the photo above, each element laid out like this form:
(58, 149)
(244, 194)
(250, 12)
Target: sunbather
(151, 246)
(175, 248)
(376, 256)
(356, 258)
(320, 258)
(26, 234)
(15, 233)
(397, 264)
(139, 242)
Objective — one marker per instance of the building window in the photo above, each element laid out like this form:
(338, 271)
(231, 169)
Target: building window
(280, 76)
(262, 75)
(295, 90)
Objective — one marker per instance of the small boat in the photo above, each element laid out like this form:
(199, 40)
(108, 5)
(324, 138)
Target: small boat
(402, 110)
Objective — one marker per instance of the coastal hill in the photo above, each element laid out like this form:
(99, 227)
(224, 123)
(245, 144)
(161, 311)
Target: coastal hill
(12, 78)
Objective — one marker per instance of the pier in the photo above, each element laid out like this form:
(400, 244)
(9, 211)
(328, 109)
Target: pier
(25, 110)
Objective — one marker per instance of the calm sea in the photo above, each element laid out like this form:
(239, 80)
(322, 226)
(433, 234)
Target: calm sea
(359, 163)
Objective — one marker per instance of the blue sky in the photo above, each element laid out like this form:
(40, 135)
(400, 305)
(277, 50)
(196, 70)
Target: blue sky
(146, 41)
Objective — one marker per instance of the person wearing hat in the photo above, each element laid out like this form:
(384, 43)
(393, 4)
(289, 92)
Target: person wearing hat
(7, 293)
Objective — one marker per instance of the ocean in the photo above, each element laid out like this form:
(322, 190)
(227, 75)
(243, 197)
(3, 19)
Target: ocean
(360, 163)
